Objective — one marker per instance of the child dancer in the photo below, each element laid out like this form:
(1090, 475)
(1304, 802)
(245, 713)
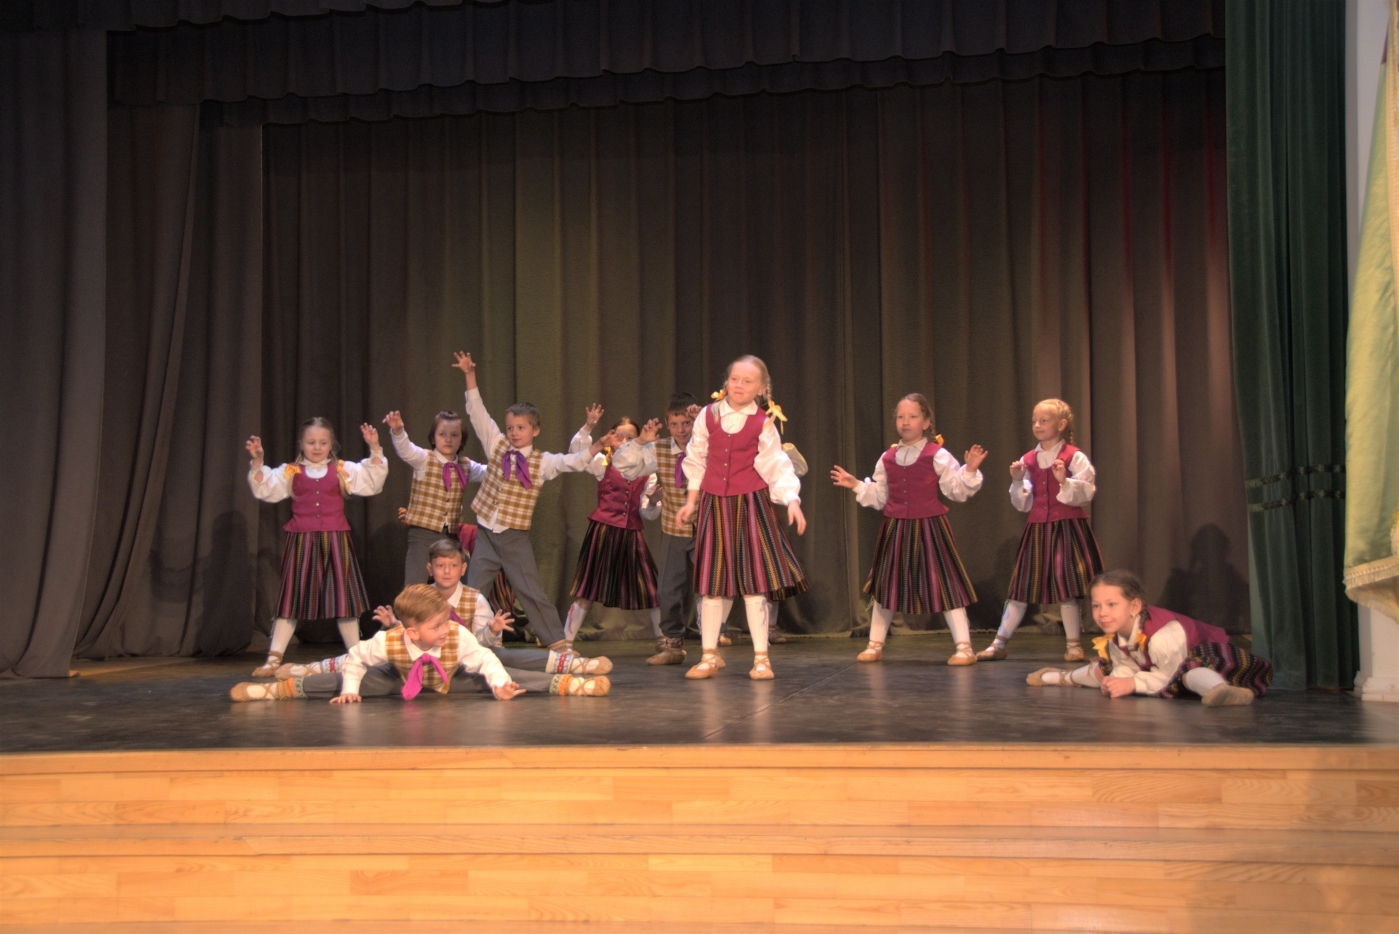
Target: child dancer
(614, 565)
(736, 469)
(917, 568)
(428, 650)
(448, 562)
(504, 504)
(1148, 650)
(320, 577)
(665, 495)
(1058, 553)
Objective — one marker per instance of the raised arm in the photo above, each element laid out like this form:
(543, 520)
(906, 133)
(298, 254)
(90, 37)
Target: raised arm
(957, 482)
(481, 422)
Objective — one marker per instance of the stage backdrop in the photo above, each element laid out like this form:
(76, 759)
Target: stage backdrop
(986, 244)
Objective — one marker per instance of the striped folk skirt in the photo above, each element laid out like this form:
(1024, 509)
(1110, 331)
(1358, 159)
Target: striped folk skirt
(1057, 562)
(615, 569)
(320, 577)
(740, 549)
(917, 568)
(502, 595)
(1239, 667)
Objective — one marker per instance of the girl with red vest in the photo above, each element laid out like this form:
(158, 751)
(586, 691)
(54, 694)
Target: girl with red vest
(615, 567)
(916, 565)
(736, 468)
(1160, 653)
(320, 577)
(1058, 554)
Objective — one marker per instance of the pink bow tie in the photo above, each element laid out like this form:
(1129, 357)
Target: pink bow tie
(413, 684)
(516, 460)
(679, 471)
(448, 470)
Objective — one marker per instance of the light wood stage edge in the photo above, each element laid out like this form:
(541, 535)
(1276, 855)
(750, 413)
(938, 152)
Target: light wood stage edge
(677, 839)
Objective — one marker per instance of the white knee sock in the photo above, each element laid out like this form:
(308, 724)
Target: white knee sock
(881, 618)
(656, 621)
(712, 613)
(1010, 620)
(1203, 680)
(574, 620)
(349, 632)
(958, 625)
(1072, 627)
(760, 611)
(282, 630)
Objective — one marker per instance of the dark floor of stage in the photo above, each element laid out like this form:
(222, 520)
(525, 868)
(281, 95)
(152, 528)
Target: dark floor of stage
(821, 695)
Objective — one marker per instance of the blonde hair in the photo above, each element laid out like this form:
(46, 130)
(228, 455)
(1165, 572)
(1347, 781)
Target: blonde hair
(762, 368)
(418, 603)
(1062, 413)
(924, 406)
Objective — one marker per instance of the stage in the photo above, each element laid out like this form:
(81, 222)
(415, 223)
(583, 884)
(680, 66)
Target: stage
(839, 797)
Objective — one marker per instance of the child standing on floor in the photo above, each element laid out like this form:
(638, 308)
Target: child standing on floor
(614, 565)
(320, 576)
(448, 563)
(665, 495)
(1148, 650)
(917, 568)
(736, 469)
(1058, 553)
(504, 505)
(428, 650)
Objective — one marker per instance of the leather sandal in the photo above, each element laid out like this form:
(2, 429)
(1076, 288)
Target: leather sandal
(873, 652)
(268, 669)
(708, 667)
(762, 667)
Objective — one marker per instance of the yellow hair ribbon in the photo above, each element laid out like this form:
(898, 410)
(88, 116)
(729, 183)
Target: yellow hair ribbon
(723, 392)
(607, 455)
(938, 439)
(344, 477)
(775, 415)
(1100, 645)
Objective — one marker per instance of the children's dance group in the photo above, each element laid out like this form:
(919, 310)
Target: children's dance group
(713, 483)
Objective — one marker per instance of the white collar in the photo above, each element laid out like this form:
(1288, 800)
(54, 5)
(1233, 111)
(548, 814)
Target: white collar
(918, 445)
(1039, 448)
(726, 409)
(527, 450)
(676, 448)
(1131, 635)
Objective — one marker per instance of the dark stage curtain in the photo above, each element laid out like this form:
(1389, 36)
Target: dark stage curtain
(1287, 251)
(53, 150)
(431, 59)
(988, 244)
(171, 565)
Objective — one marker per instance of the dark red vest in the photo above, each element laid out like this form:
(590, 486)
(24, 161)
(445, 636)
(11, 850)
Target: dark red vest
(316, 505)
(1196, 632)
(913, 490)
(729, 470)
(618, 501)
(1045, 506)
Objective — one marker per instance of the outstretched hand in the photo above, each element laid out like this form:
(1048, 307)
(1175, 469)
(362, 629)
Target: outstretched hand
(464, 362)
(371, 437)
(649, 432)
(974, 456)
(507, 691)
(693, 412)
(842, 477)
(395, 422)
(501, 622)
(254, 447)
(383, 615)
(594, 415)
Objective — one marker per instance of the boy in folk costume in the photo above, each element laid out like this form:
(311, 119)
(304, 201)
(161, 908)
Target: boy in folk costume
(428, 650)
(504, 505)
(448, 563)
(1160, 653)
(665, 495)
(736, 468)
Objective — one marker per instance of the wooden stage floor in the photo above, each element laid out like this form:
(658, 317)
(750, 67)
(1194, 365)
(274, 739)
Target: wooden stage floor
(821, 696)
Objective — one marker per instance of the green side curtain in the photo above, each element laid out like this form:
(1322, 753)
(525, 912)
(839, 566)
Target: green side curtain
(1287, 251)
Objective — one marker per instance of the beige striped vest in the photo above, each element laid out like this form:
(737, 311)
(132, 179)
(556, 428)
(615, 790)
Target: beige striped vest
(430, 504)
(671, 498)
(397, 652)
(509, 504)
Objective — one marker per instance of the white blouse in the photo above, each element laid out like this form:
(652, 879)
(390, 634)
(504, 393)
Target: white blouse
(363, 478)
(1168, 649)
(1076, 490)
(471, 656)
(632, 459)
(772, 464)
(420, 459)
(953, 479)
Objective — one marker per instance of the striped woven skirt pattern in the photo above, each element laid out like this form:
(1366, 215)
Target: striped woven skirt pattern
(320, 577)
(502, 595)
(1057, 562)
(615, 569)
(1239, 667)
(740, 549)
(917, 568)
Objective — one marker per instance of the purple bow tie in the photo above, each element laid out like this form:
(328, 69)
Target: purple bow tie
(679, 471)
(515, 461)
(413, 684)
(448, 470)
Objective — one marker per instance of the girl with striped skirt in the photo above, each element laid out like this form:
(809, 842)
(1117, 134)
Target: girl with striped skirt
(320, 576)
(1160, 653)
(1058, 553)
(614, 565)
(916, 566)
(736, 468)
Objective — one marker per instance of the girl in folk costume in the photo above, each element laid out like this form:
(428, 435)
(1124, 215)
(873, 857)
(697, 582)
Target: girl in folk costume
(917, 568)
(448, 563)
(614, 565)
(1058, 554)
(736, 469)
(504, 505)
(1160, 653)
(320, 577)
